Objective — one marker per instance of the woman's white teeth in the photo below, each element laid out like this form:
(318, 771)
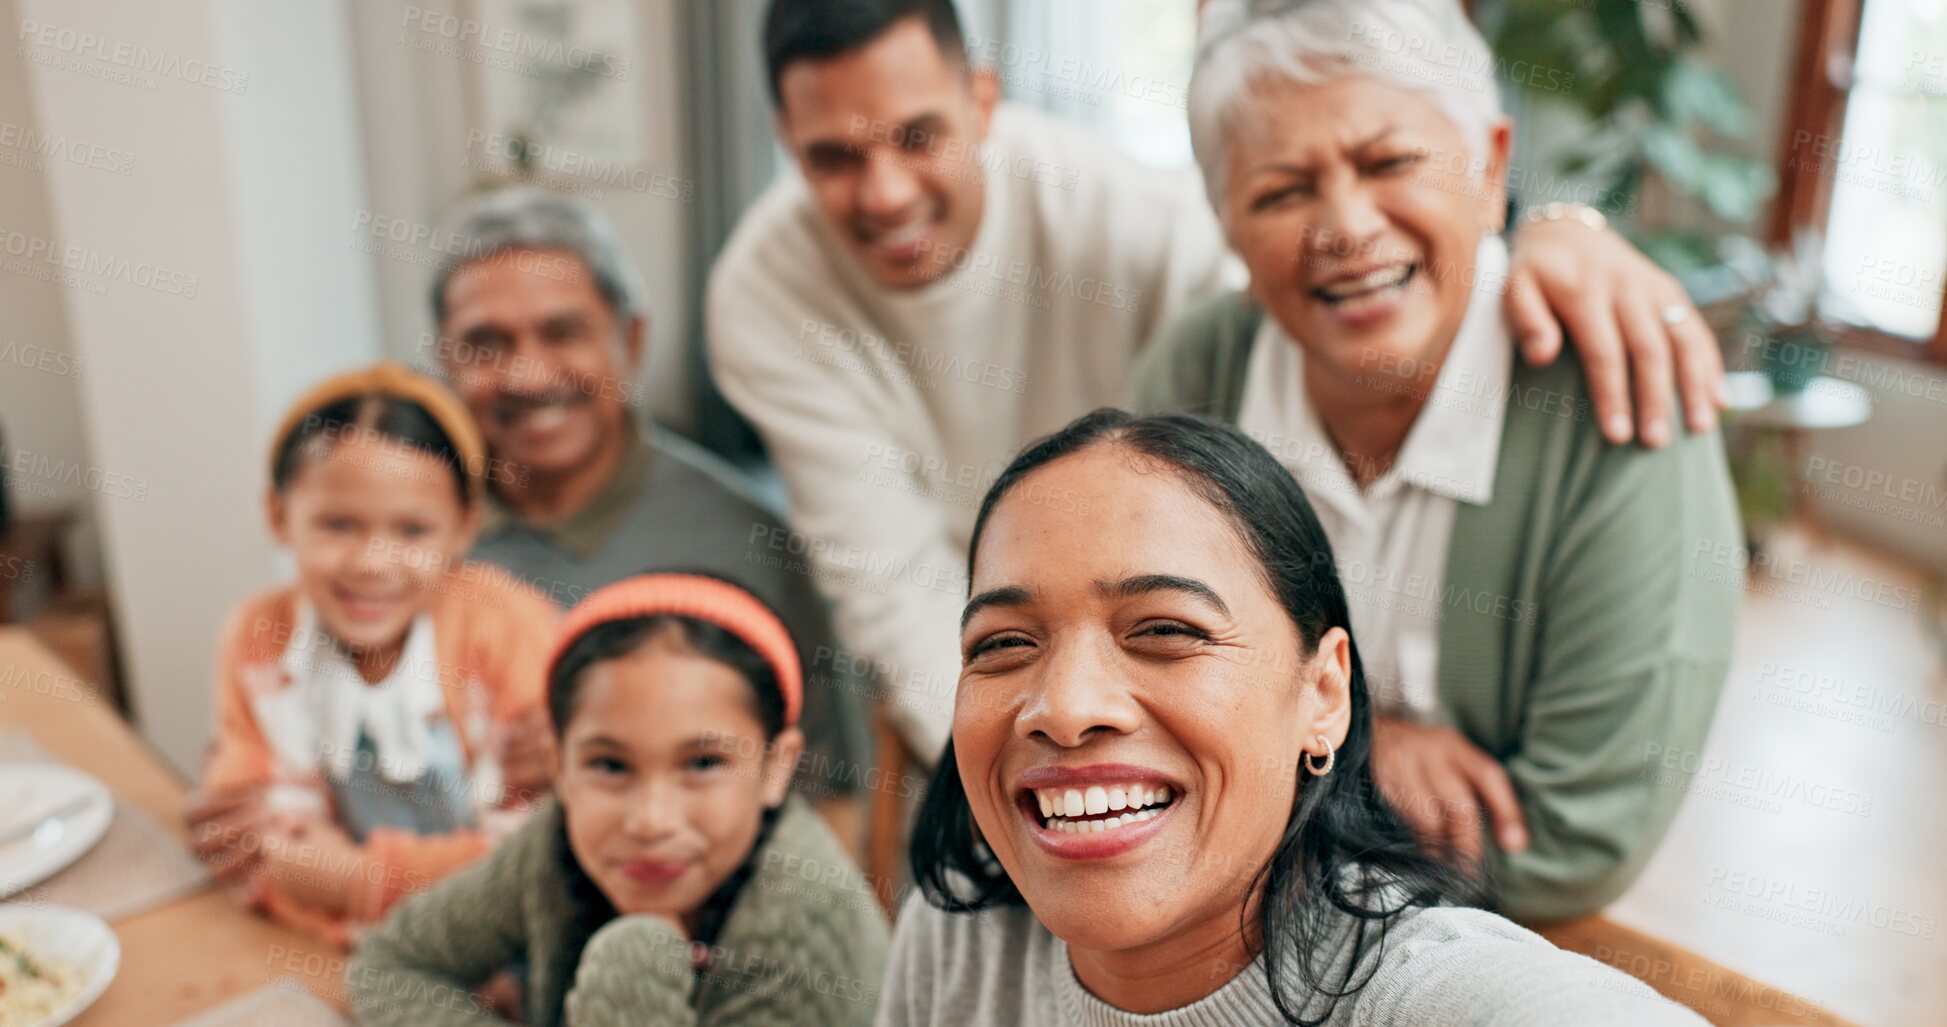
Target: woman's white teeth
(1098, 826)
(1059, 803)
(1384, 278)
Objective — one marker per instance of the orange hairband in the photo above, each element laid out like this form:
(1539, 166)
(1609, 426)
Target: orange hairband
(704, 598)
(391, 378)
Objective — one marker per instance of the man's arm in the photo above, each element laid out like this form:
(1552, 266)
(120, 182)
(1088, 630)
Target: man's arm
(877, 545)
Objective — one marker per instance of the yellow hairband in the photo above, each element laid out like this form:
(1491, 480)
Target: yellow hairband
(391, 378)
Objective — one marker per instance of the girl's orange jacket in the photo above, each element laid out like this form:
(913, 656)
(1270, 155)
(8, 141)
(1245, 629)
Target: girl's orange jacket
(492, 635)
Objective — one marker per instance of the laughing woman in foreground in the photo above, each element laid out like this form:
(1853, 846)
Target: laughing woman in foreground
(1158, 799)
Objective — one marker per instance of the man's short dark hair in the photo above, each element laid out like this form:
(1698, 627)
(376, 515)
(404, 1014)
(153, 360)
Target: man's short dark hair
(816, 30)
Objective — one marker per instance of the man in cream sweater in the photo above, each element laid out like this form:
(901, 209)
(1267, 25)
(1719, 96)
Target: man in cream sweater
(948, 277)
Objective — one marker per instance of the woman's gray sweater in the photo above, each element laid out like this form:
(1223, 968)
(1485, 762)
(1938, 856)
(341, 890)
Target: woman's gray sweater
(1437, 966)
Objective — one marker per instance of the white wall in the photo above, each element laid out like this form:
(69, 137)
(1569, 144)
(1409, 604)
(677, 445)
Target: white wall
(40, 388)
(214, 290)
(294, 140)
(1885, 481)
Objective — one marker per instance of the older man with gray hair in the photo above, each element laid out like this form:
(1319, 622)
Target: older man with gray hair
(541, 333)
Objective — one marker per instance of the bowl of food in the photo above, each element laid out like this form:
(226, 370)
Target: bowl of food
(54, 963)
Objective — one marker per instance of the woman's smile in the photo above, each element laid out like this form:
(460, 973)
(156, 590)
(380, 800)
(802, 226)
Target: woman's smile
(1361, 297)
(1096, 811)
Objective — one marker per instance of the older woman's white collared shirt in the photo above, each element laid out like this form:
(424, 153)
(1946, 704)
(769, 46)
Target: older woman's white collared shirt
(1390, 539)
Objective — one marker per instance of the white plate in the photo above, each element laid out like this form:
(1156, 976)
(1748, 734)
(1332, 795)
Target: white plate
(31, 791)
(67, 937)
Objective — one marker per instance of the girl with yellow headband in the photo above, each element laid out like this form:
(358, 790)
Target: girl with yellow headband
(369, 716)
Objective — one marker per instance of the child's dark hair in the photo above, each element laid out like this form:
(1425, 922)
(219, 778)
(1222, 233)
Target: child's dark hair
(373, 415)
(613, 640)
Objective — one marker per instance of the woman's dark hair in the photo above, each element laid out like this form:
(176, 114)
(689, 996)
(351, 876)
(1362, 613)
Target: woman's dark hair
(376, 416)
(613, 640)
(1344, 852)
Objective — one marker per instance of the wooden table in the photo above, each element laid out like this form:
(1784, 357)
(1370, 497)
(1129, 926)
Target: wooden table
(184, 956)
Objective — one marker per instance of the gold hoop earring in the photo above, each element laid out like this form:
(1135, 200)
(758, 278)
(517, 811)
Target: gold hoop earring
(1330, 756)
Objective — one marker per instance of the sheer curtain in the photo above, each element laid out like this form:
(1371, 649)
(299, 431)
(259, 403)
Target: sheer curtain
(1120, 68)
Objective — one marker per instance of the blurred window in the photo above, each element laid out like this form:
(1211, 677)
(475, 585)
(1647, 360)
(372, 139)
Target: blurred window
(1121, 67)
(1865, 163)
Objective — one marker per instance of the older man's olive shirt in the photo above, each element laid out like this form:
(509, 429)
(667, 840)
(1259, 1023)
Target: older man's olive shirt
(672, 506)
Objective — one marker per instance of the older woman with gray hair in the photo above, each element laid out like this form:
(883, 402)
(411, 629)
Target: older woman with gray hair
(1532, 605)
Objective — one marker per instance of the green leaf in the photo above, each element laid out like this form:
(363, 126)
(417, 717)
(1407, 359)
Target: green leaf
(1733, 186)
(1652, 107)
(1689, 33)
(1543, 43)
(1677, 251)
(1674, 156)
(1695, 92)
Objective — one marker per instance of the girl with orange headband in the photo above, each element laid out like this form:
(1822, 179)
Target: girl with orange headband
(377, 720)
(675, 880)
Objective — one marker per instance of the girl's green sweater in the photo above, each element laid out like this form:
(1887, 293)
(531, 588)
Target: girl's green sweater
(804, 944)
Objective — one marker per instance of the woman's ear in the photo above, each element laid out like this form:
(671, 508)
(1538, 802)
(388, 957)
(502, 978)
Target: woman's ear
(780, 764)
(1331, 713)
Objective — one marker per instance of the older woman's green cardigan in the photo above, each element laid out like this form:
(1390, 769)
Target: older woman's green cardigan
(1587, 612)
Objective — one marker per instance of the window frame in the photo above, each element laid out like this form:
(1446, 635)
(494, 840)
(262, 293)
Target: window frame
(1828, 47)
